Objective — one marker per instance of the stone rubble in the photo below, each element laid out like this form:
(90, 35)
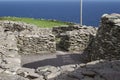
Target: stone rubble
(96, 70)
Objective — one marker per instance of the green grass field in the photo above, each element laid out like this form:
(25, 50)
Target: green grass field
(38, 22)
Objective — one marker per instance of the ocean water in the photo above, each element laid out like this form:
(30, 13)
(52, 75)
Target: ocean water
(92, 11)
(63, 11)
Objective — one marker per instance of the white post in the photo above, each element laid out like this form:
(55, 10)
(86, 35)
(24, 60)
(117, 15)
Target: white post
(81, 5)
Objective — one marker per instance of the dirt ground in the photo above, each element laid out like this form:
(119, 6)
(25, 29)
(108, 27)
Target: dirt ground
(57, 59)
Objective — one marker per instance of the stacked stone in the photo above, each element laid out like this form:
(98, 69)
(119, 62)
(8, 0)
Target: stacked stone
(36, 44)
(17, 38)
(60, 30)
(30, 38)
(107, 40)
(78, 40)
(9, 57)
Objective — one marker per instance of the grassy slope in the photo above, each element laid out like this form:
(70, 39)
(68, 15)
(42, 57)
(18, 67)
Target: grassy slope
(38, 22)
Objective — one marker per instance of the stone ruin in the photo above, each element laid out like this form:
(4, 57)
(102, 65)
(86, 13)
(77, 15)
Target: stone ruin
(107, 41)
(77, 40)
(20, 38)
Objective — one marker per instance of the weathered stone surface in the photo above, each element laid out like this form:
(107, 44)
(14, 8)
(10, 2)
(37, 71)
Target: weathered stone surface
(107, 41)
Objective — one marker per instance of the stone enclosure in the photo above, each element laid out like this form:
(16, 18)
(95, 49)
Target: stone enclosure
(19, 38)
(29, 38)
(33, 40)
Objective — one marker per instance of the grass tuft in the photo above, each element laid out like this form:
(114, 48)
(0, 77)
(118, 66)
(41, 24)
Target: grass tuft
(38, 22)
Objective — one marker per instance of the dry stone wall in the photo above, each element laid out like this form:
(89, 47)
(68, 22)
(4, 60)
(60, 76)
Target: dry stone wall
(77, 40)
(9, 57)
(107, 40)
(61, 30)
(36, 44)
(31, 39)
(20, 38)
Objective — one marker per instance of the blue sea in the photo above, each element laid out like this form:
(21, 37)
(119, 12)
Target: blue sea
(60, 10)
